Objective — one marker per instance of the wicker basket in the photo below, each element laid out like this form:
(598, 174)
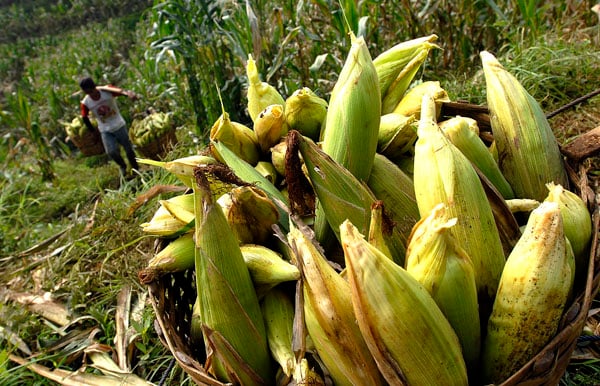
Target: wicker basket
(173, 296)
(158, 148)
(90, 143)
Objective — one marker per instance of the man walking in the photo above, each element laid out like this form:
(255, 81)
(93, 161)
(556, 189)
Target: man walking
(101, 101)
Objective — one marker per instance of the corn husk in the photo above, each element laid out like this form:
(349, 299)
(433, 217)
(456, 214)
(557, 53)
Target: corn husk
(260, 94)
(330, 319)
(577, 224)
(528, 154)
(444, 175)
(410, 104)
(397, 134)
(239, 138)
(183, 167)
(442, 266)
(407, 334)
(352, 123)
(270, 127)
(340, 194)
(397, 66)
(278, 312)
(306, 112)
(396, 189)
(468, 142)
(228, 307)
(533, 291)
(249, 174)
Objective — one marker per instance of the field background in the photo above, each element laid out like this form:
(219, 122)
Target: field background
(67, 224)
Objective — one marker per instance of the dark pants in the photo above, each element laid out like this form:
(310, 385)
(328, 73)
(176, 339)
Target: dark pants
(111, 142)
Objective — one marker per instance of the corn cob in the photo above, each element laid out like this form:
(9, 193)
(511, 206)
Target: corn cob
(397, 134)
(305, 112)
(278, 157)
(237, 137)
(444, 175)
(577, 224)
(438, 262)
(269, 127)
(260, 94)
(76, 128)
(528, 153)
(250, 175)
(396, 67)
(229, 311)
(410, 104)
(278, 313)
(181, 207)
(304, 375)
(392, 186)
(250, 214)
(164, 224)
(522, 204)
(150, 128)
(352, 123)
(341, 195)
(183, 167)
(377, 228)
(267, 267)
(267, 170)
(531, 297)
(177, 256)
(329, 317)
(468, 142)
(407, 334)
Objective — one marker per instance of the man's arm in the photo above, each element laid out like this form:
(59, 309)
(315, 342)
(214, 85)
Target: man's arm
(117, 91)
(85, 115)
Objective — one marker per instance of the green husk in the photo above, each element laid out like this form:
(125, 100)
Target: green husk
(468, 142)
(260, 94)
(249, 174)
(442, 266)
(228, 306)
(528, 154)
(407, 334)
(396, 68)
(444, 175)
(352, 123)
(305, 112)
(329, 317)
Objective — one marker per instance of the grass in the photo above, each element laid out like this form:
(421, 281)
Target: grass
(100, 253)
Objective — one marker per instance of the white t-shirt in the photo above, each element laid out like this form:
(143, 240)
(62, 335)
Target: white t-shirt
(106, 111)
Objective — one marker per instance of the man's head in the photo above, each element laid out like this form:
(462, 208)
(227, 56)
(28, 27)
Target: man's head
(87, 85)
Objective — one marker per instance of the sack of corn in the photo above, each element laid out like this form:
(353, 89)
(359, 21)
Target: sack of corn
(87, 141)
(303, 255)
(153, 135)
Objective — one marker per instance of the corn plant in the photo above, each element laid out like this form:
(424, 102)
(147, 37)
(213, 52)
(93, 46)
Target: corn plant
(188, 30)
(24, 117)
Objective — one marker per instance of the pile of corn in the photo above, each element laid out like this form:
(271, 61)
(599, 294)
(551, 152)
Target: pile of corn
(365, 241)
(151, 128)
(76, 128)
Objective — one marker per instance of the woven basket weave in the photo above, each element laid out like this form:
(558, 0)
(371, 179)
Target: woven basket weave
(173, 296)
(90, 143)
